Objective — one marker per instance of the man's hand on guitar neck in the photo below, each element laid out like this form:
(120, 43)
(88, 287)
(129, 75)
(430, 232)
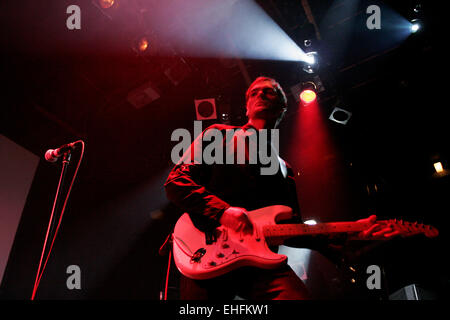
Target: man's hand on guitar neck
(376, 230)
(236, 219)
(353, 250)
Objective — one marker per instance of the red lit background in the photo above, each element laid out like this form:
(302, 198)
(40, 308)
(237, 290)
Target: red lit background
(322, 186)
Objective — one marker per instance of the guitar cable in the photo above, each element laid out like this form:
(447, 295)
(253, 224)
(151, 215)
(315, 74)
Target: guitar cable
(166, 287)
(166, 248)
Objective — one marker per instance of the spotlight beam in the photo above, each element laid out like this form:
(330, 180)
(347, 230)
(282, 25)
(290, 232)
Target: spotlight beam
(202, 29)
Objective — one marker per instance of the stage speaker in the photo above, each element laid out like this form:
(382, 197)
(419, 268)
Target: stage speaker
(412, 292)
(340, 116)
(205, 109)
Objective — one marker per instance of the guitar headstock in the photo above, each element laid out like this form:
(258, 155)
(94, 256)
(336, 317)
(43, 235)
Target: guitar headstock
(406, 229)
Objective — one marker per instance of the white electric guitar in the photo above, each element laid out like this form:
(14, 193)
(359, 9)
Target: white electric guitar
(200, 255)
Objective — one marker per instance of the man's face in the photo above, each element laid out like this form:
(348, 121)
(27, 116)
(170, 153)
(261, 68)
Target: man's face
(263, 101)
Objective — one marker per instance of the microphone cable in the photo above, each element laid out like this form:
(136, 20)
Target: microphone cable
(39, 271)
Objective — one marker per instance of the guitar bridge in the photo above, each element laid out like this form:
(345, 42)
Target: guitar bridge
(197, 256)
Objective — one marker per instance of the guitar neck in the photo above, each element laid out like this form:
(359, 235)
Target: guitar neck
(285, 231)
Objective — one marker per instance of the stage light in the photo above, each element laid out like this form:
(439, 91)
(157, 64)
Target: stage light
(307, 96)
(223, 29)
(105, 4)
(314, 83)
(311, 58)
(109, 8)
(415, 25)
(310, 222)
(340, 116)
(225, 118)
(308, 69)
(418, 8)
(308, 93)
(307, 43)
(310, 62)
(143, 44)
(438, 167)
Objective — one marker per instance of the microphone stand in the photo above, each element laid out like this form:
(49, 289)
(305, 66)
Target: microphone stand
(51, 224)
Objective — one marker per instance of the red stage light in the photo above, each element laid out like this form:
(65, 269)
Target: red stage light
(143, 44)
(105, 4)
(307, 96)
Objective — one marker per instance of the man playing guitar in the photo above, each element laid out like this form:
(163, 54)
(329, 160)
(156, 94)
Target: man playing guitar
(223, 195)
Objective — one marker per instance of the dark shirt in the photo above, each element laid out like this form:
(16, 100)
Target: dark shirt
(209, 189)
(205, 191)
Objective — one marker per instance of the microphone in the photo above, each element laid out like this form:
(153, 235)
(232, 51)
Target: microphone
(53, 154)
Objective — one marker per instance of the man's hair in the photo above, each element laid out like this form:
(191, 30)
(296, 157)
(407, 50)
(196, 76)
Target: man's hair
(281, 95)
